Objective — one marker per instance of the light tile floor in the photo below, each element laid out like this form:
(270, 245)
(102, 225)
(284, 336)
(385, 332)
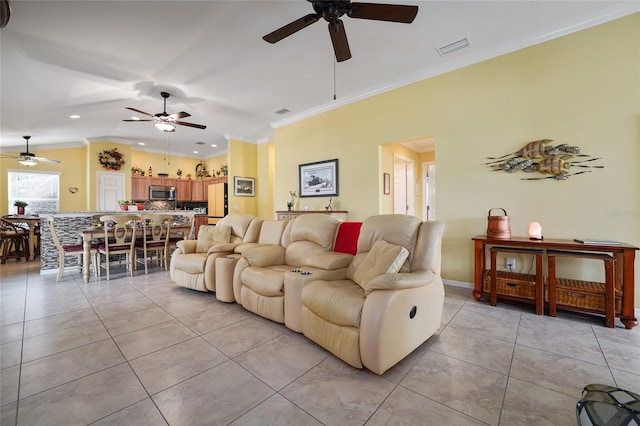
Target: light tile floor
(137, 351)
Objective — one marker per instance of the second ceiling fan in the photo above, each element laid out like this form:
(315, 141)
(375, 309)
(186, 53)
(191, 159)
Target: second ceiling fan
(166, 122)
(332, 10)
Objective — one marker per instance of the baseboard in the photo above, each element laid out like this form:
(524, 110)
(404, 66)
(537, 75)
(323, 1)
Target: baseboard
(454, 283)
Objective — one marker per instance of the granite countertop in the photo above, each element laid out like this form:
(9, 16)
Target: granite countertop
(87, 214)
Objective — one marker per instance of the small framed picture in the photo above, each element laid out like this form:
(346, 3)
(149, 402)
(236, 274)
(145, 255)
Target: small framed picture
(244, 186)
(386, 183)
(319, 179)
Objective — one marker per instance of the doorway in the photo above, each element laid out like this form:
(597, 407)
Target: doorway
(403, 186)
(110, 189)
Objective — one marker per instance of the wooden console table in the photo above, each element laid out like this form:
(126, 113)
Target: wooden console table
(341, 215)
(624, 271)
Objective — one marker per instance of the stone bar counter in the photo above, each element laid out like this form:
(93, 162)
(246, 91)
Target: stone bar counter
(69, 223)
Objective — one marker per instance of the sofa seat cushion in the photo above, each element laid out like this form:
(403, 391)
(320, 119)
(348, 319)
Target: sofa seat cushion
(266, 281)
(192, 263)
(339, 302)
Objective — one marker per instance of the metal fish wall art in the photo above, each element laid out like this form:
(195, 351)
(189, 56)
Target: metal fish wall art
(543, 157)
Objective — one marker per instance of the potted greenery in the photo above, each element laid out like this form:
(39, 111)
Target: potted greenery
(179, 173)
(20, 205)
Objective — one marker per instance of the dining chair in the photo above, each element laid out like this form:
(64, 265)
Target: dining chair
(156, 229)
(119, 239)
(13, 241)
(65, 250)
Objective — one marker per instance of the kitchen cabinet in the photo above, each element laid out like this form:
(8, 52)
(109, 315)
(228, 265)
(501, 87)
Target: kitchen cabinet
(199, 189)
(183, 190)
(139, 188)
(162, 181)
(199, 220)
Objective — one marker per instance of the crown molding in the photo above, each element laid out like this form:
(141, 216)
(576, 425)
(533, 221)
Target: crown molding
(468, 58)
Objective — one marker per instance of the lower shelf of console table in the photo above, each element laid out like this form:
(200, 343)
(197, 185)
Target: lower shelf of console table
(575, 295)
(579, 295)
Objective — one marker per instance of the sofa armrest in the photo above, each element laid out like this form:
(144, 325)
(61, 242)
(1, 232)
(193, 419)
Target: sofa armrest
(187, 246)
(400, 281)
(222, 248)
(329, 260)
(265, 255)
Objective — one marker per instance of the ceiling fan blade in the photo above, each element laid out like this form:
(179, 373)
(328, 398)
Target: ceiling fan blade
(339, 40)
(45, 160)
(178, 115)
(5, 13)
(291, 28)
(383, 12)
(139, 112)
(184, 123)
(137, 120)
(9, 156)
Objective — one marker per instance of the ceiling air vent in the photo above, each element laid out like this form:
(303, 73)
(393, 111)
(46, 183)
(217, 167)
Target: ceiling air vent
(281, 111)
(200, 143)
(452, 47)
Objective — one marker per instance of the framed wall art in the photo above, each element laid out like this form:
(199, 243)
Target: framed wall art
(319, 179)
(386, 183)
(244, 186)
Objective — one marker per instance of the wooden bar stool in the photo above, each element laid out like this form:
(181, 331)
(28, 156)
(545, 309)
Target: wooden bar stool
(538, 280)
(583, 294)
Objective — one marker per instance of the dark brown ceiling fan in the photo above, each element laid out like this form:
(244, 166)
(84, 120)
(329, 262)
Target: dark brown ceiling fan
(166, 122)
(332, 10)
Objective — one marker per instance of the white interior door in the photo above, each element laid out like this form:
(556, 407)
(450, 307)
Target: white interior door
(111, 188)
(403, 186)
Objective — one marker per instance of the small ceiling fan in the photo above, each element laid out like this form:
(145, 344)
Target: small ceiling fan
(28, 158)
(332, 10)
(166, 122)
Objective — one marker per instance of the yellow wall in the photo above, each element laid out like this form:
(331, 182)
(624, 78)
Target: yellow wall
(94, 166)
(73, 171)
(581, 89)
(264, 180)
(243, 162)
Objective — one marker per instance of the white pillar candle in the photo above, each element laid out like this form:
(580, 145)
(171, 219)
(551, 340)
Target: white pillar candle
(535, 231)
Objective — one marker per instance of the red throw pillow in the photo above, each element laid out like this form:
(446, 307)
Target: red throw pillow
(347, 238)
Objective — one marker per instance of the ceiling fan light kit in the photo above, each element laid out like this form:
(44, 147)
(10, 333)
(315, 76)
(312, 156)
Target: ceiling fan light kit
(165, 127)
(332, 10)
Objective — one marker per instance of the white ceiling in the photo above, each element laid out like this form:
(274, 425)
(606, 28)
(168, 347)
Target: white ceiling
(94, 58)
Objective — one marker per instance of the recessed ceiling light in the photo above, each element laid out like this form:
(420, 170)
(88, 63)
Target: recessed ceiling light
(214, 145)
(135, 118)
(195, 152)
(74, 116)
(141, 143)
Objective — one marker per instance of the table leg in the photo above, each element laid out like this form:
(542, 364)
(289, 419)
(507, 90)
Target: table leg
(32, 242)
(86, 256)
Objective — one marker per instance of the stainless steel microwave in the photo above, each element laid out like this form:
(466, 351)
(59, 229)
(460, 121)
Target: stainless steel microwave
(165, 193)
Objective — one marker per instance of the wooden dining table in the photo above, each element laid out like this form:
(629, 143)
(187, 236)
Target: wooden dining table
(31, 221)
(88, 234)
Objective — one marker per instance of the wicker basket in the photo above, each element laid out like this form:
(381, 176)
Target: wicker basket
(511, 284)
(587, 295)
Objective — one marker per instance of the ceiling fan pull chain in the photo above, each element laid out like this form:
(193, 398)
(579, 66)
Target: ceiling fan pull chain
(334, 78)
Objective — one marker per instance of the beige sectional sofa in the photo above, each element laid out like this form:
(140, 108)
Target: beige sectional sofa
(371, 309)
(193, 262)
